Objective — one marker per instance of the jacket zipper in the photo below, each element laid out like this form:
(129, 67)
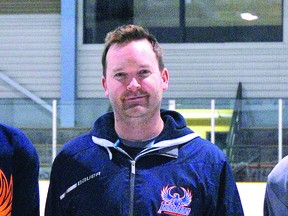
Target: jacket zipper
(132, 185)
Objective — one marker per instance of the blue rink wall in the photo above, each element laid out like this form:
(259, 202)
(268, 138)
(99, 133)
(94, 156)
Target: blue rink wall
(252, 197)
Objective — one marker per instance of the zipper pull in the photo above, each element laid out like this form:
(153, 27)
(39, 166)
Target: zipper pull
(133, 167)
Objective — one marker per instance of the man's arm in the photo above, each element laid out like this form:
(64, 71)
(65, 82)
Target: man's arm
(229, 202)
(25, 177)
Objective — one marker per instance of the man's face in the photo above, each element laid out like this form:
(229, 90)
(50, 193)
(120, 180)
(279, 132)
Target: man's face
(134, 83)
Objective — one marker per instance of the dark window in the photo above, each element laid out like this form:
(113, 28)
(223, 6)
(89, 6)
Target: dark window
(187, 21)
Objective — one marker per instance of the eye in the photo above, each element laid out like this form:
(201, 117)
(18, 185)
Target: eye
(144, 73)
(120, 75)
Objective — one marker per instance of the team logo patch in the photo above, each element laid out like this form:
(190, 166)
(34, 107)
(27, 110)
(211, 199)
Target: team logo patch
(174, 203)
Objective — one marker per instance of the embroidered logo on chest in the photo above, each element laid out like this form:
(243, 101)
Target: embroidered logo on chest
(6, 194)
(175, 202)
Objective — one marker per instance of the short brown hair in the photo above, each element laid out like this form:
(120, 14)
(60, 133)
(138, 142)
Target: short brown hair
(127, 33)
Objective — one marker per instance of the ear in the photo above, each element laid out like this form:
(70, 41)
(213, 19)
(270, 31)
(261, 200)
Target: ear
(104, 84)
(165, 79)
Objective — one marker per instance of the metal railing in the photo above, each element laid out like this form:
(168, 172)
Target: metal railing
(262, 130)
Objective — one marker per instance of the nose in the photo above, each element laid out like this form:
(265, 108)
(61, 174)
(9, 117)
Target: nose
(133, 85)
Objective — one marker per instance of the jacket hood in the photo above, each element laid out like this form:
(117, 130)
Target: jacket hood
(174, 133)
(174, 127)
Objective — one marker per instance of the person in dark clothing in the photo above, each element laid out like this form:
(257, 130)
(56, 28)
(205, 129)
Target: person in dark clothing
(140, 159)
(19, 171)
(276, 195)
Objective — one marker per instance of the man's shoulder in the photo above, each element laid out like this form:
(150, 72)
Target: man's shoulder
(277, 186)
(280, 172)
(205, 150)
(77, 144)
(205, 144)
(15, 138)
(14, 144)
(9, 132)
(78, 151)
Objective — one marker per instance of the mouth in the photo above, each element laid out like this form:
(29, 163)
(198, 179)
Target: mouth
(133, 98)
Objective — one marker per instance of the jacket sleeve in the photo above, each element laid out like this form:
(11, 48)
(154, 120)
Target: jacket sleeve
(25, 177)
(53, 206)
(229, 202)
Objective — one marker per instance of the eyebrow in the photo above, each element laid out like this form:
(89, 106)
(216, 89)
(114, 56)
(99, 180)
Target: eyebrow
(144, 66)
(117, 69)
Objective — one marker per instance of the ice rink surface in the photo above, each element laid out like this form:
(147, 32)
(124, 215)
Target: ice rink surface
(252, 197)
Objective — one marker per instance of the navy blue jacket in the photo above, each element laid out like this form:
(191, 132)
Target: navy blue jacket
(19, 170)
(180, 174)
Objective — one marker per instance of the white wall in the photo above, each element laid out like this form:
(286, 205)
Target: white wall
(205, 70)
(30, 54)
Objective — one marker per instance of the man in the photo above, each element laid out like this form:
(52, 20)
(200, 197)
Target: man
(140, 160)
(276, 196)
(19, 170)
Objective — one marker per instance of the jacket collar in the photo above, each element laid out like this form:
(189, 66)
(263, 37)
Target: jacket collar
(174, 127)
(167, 148)
(175, 133)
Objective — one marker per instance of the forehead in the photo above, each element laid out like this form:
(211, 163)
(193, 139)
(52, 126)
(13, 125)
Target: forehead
(131, 48)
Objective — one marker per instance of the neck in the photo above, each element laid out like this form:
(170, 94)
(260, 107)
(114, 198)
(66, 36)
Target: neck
(139, 128)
